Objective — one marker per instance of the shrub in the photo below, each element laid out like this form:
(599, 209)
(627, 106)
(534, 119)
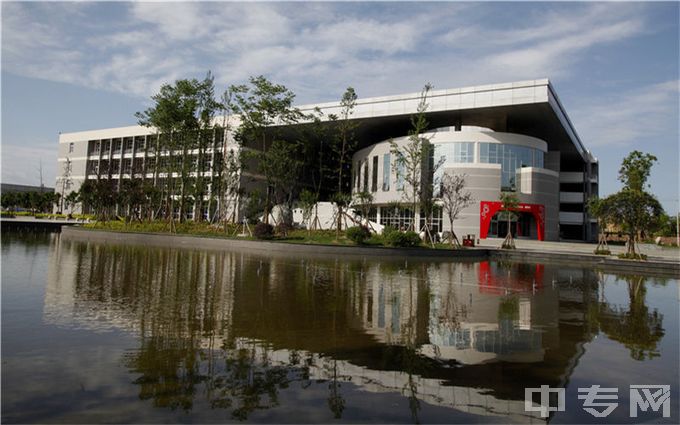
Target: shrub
(283, 229)
(358, 234)
(7, 214)
(627, 256)
(263, 231)
(389, 229)
(403, 240)
(602, 252)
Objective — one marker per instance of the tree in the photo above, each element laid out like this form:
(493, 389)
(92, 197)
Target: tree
(261, 106)
(413, 160)
(206, 110)
(66, 181)
(131, 197)
(632, 208)
(71, 200)
(227, 164)
(345, 142)
(364, 201)
(635, 170)
(635, 212)
(180, 111)
(598, 209)
(454, 199)
(307, 203)
(509, 203)
(283, 164)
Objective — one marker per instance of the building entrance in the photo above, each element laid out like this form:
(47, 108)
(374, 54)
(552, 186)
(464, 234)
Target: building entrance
(522, 225)
(529, 221)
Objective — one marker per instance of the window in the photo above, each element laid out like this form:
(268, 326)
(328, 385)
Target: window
(386, 172)
(358, 172)
(400, 175)
(95, 146)
(70, 147)
(374, 175)
(511, 158)
(436, 222)
(397, 217)
(366, 176)
(463, 153)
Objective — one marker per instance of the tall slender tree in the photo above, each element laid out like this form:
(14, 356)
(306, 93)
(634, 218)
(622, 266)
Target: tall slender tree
(413, 161)
(344, 143)
(509, 203)
(454, 198)
(262, 106)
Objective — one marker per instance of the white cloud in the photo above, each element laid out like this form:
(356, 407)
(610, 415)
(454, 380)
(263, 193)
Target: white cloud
(624, 119)
(322, 47)
(21, 164)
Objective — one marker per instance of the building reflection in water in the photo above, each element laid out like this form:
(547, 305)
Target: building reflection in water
(238, 328)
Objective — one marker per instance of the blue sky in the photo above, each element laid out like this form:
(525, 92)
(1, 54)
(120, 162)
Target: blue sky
(79, 66)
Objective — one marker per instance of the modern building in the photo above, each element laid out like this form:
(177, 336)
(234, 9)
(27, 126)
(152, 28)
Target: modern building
(514, 136)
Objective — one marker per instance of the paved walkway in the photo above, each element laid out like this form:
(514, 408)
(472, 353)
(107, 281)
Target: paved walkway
(652, 251)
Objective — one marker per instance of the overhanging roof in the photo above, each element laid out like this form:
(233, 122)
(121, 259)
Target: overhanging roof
(527, 107)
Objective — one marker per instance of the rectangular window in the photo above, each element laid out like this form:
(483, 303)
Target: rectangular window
(386, 172)
(70, 147)
(400, 175)
(397, 217)
(374, 175)
(366, 176)
(463, 152)
(358, 173)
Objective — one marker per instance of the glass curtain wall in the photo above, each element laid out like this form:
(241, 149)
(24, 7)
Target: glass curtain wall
(511, 158)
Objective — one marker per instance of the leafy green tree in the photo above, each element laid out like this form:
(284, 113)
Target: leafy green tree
(182, 113)
(635, 212)
(283, 164)
(633, 209)
(635, 170)
(71, 200)
(10, 200)
(261, 106)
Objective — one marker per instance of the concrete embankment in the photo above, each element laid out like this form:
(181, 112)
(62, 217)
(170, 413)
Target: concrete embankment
(666, 268)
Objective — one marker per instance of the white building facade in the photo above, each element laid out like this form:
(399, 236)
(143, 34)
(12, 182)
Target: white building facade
(514, 136)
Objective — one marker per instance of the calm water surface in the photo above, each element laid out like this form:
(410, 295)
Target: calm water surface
(102, 333)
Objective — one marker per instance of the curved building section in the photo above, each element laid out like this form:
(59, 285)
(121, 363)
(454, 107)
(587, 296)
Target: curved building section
(490, 161)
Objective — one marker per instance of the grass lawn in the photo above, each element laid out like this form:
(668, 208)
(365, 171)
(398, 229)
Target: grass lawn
(302, 236)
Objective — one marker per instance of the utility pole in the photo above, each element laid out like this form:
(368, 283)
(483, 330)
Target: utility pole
(677, 229)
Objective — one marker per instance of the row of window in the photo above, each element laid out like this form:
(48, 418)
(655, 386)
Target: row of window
(113, 166)
(131, 144)
(510, 157)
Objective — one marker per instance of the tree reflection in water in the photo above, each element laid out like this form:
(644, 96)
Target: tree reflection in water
(238, 329)
(635, 327)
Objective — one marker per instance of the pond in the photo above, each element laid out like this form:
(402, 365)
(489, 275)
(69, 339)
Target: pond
(122, 333)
